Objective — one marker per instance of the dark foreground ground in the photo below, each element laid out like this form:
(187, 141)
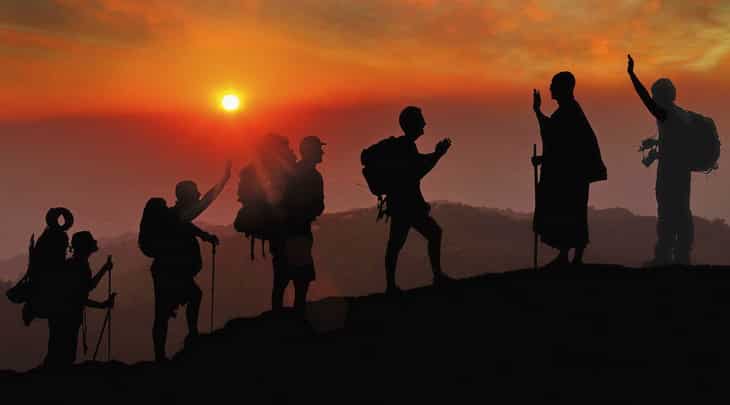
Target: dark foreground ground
(597, 334)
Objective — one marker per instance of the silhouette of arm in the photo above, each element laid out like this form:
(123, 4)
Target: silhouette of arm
(542, 119)
(200, 233)
(318, 200)
(196, 209)
(428, 162)
(94, 304)
(107, 267)
(651, 105)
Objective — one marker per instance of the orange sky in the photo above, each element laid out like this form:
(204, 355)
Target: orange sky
(78, 56)
(108, 102)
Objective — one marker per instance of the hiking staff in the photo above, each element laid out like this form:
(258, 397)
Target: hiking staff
(212, 290)
(109, 314)
(107, 321)
(534, 231)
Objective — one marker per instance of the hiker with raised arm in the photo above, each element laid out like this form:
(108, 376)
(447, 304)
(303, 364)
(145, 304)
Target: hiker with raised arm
(571, 161)
(169, 236)
(686, 142)
(74, 283)
(303, 202)
(393, 169)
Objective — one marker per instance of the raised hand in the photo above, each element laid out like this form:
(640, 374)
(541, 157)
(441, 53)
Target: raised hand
(443, 146)
(536, 100)
(109, 265)
(630, 65)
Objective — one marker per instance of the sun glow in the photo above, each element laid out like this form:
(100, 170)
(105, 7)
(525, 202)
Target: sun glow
(230, 102)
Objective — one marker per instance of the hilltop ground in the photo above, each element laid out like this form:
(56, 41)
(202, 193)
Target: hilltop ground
(588, 335)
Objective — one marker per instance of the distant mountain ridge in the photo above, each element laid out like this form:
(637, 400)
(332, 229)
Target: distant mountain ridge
(349, 249)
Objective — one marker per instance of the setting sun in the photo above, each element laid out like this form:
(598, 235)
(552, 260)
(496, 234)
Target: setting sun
(230, 102)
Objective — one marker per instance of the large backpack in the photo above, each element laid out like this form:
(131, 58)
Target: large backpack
(703, 146)
(155, 229)
(38, 290)
(383, 169)
(260, 190)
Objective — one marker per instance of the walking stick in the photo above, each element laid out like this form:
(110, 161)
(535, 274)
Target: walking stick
(212, 292)
(109, 315)
(534, 242)
(107, 321)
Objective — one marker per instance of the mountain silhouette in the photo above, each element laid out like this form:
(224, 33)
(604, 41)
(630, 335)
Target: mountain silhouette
(597, 333)
(349, 256)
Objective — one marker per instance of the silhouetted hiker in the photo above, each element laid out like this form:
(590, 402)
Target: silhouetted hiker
(303, 202)
(571, 160)
(394, 169)
(687, 142)
(262, 216)
(176, 254)
(46, 260)
(73, 288)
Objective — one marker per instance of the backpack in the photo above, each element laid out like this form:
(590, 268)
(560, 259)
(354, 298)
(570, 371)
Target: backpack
(38, 290)
(703, 146)
(383, 169)
(155, 228)
(261, 186)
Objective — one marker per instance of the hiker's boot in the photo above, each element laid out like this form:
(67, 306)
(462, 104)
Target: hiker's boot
(191, 339)
(441, 279)
(393, 291)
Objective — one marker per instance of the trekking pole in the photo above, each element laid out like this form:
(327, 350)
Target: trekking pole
(109, 315)
(212, 292)
(101, 335)
(534, 231)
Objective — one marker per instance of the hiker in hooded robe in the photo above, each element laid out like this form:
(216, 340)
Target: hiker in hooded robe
(570, 162)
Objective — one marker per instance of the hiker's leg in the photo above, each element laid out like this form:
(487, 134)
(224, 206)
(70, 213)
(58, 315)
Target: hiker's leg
(578, 257)
(192, 310)
(280, 280)
(301, 287)
(430, 229)
(162, 316)
(664, 228)
(398, 234)
(51, 353)
(73, 334)
(685, 223)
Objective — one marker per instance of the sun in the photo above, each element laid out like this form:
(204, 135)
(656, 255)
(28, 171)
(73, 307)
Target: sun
(230, 102)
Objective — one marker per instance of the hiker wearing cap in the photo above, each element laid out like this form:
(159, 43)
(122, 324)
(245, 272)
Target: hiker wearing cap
(303, 202)
(174, 270)
(74, 286)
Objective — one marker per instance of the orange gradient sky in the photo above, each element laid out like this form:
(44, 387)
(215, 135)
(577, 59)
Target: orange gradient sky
(109, 102)
(80, 56)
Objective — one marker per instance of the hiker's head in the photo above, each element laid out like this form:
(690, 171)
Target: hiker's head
(83, 244)
(664, 92)
(412, 122)
(311, 149)
(186, 192)
(562, 86)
